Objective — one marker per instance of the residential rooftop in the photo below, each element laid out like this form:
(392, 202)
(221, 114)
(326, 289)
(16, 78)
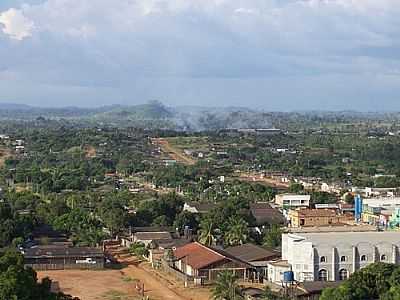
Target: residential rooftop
(250, 252)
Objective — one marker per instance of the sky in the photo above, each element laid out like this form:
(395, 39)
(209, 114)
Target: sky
(269, 54)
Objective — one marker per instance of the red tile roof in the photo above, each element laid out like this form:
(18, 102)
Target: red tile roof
(198, 256)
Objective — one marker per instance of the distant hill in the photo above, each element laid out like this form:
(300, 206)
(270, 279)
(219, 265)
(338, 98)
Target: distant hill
(153, 110)
(155, 114)
(14, 106)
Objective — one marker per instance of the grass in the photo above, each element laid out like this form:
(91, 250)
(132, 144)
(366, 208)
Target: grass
(127, 279)
(115, 295)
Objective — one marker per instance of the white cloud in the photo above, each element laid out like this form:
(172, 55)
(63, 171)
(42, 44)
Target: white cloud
(115, 43)
(15, 24)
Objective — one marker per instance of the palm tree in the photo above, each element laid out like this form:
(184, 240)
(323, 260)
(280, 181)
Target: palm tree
(273, 236)
(207, 230)
(237, 233)
(226, 287)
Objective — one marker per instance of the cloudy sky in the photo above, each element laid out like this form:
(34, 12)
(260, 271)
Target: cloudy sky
(270, 54)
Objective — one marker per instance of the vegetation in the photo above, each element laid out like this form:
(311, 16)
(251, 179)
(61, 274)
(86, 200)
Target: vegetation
(226, 287)
(17, 282)
(139, 249)
(376, 281)
(93, 174)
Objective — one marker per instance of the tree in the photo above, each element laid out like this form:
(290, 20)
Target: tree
(18, 282)
(376, 281)
(207, 232)
(296, 188)
(273, 236)
(226, 287)
(139, 249)
(237, 232)
(186, 218)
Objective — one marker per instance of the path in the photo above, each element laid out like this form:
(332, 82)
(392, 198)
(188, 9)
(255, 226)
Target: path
(173, 152)
(158, 286)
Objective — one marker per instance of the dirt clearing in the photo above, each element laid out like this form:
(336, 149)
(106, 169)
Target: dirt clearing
(173, 152)
(5, 153)
(93, 285)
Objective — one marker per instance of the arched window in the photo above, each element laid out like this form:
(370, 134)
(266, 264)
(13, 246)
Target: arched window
(322, 259)
(343, 274)
(343, 258)
(363, 258)
(383, 257)
(322, 275)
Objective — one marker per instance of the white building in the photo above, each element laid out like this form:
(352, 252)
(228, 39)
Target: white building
(333, 256)
(373, 192)
(384, 202)
(292, 200)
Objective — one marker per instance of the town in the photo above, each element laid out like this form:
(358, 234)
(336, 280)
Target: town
(292, 212)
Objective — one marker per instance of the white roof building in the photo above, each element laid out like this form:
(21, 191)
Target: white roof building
(292, 200)
(333, 256)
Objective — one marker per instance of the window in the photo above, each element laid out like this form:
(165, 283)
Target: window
(363, 258)
(322, 275)
(302, 222)
(383, 257)
(343, 274)
(323, 259)
(343, 258)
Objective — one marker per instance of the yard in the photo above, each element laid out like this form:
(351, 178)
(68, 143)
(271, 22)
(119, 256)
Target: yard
(93, 285)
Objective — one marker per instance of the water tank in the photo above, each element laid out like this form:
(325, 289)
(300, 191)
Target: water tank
(288, 276)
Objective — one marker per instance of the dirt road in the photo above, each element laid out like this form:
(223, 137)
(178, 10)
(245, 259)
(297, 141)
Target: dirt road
(158, 286)
(269, 181)
(172, 152)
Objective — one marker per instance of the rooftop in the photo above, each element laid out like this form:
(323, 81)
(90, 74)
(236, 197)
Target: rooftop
(201, 207)
(250, 252)
(315, 212)
(316, 287)
(351, 238)
(154, 229)
(198, 256)
(264, 213)
(51, 251)
(341, 228)
(145, 236)
(280, 263)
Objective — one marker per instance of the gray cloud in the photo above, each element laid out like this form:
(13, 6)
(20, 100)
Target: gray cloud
(266, 53)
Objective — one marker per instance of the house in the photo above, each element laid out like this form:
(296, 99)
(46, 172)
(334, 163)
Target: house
(384, 202)
(376, 192)
(327, 206)
(148, 235)
(276, 269)
(148, 238)
(316, 217)
(312, 290)
(252, 293)
(334, 256)
(255, 256)
(203, 264)
(264, 214)
(292, 200)
(198, 207)
(62, 257)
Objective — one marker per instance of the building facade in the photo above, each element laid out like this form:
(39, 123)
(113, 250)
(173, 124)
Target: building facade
(292, 200)
(315, 217)
(62, 258)
(333, 256)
